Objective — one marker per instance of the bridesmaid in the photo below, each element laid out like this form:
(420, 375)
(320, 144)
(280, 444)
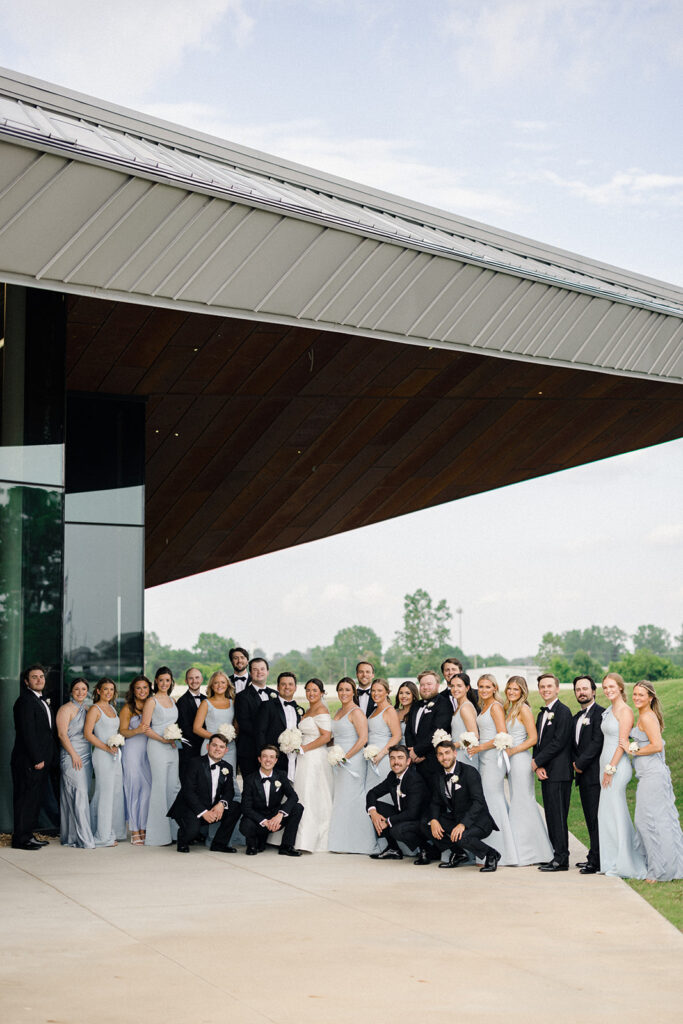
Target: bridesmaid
(528, 829)
(76, 770)
(107, 816)
(656, 819)
(218, 709)
(492, 768)
(384, 730)
(137, 775)
(313, 781)
(620, 853)
(351, 830)
(464, 717)
(408, 694)
(158, 713)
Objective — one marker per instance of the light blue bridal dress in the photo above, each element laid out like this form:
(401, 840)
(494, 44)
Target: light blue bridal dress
(107, 816)
(74, 801)
(351, 830)
(619, 853)
(658, 830)
(163, 762)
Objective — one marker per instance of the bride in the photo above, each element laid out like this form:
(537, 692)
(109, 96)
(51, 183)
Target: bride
(313, 780)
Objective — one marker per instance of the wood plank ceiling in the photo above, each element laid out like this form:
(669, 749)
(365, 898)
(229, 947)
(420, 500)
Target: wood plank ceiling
(262, 436)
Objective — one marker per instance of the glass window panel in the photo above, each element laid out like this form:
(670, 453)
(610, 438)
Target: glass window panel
(116, 506)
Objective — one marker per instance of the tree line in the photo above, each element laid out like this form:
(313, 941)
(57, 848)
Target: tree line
(649, 653)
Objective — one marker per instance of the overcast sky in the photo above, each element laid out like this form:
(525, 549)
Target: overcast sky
(555, 119)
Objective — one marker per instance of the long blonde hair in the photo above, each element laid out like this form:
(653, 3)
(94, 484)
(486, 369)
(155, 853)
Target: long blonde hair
(230, 691)
(513, 708)
(494, 681)
(655, 705)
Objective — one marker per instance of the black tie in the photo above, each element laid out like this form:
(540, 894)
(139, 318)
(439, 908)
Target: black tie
(214, 766)
(240, 679)
(290, 703)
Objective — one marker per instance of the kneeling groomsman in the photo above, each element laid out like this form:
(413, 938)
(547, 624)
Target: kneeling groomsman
(459, 819)
(398, 821)
(207, 795)
(586, 749)
(269, 804)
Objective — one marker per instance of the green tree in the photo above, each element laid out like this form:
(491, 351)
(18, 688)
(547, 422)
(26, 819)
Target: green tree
(157, 654)
(583, 665)
(561, 668)
(357, 643)
(211, 647)
(644, 664)
(425, 628)
(551, 646)
(652, 638)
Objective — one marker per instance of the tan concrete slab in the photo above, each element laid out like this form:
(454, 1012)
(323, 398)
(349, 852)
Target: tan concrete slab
(134, 934)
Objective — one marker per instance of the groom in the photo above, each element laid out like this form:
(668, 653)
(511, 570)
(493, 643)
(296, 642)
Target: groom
(207, 795)
(277, 715)
(269, 804)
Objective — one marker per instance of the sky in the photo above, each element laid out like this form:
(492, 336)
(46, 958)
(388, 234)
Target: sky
(555, 119)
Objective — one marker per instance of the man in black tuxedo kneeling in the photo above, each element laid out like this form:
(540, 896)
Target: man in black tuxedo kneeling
(398, 819)
(207, 795)
(269, 804)
(459, 819)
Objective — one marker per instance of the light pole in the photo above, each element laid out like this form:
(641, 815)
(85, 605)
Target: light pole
(458, 612)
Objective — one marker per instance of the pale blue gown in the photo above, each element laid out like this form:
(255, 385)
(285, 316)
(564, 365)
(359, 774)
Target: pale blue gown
(214, 718)
(658, 829)
(74, 801)
(163, 762)
(458, 727)
(351, 830)
(107, 816)
(137, 777)
(379, 734)
(620, 854)
(528, 827)
(492, 770)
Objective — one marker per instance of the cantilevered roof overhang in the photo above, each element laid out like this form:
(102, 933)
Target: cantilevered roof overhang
(100, 201)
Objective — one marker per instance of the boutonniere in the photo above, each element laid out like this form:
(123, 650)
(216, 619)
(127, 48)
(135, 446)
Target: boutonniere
(585, 720)
(430, 704)
(299, 712)
(456, 778)
(549, 716)
(225, 771)
(277, 785)
(272, 696)
(400, 793)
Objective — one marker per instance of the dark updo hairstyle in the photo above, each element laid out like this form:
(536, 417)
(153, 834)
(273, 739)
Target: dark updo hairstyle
(351, 682)
(316, 682)
(78, 679)
(163, 671)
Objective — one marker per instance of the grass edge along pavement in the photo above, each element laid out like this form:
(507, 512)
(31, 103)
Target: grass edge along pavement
(665, 897)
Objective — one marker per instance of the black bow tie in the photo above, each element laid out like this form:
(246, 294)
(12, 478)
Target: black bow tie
(214, 766)
(449, 775)
(290, 703)
(240, 679)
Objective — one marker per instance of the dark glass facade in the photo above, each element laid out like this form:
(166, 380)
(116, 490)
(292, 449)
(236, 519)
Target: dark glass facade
(71, 518)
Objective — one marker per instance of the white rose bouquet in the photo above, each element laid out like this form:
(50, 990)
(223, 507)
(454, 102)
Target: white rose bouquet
(116, 740)
(633, 747)
(501, 742)
(439, 736)
(174, 733)
(335, 756)
(468, 739)
(290, 741)
(370, 753)
(227, 731)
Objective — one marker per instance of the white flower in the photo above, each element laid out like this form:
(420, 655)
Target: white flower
(115, 740)
(370, 752)
(468, 739)
(549, 715)
(633, 747)
(585, 720)
(439, 736)
(400, 793)
(277, 785)
(335, 755)
(290, 741)
(227, 731)
(225, 771)
(299, 712)
(272, 696)
(502, 740)
(173, 732)
(430, 704)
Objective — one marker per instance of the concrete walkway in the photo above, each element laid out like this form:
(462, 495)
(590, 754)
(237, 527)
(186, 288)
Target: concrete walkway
(147, 935)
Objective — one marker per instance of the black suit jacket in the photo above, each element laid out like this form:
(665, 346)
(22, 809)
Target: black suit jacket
(247, 709)
(282, 796)
(271, 722)
(586, 753)
(187, 710)
(34, 739)
(437, 715)
(413, 800)
(554, 748)
(195, 792)
(466, 803)
(371, 704)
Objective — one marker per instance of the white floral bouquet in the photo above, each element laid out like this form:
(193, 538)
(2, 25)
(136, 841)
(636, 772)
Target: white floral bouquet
(502, 740)
(336, 756)
(174, 733)
(439, 736)
(468, 739)
(227, 731)
(370, 752)
(633, 747)
(290, 741)
(116, 740)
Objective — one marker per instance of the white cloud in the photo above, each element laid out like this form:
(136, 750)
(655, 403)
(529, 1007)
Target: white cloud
(117, 51)
(633, 187)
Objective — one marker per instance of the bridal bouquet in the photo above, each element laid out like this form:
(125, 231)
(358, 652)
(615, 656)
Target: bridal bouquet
(174, 732)
(468, 739)
(502, 740)
(439, 736)
(290, 741)
(227, 731)
(115, 740)
(335, 756)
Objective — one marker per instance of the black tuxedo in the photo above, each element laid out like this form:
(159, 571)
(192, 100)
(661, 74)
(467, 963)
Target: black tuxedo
(370, 703)
(34, 743)
(437, 714)
(271, 722)
(187, 709)
(256, 808)
(553, 752)
(247, 710)
(405, 809)
(586, 756)
(232, 680)
(195, 797)
(463, 803)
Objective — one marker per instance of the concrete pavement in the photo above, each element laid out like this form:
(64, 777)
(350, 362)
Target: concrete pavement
(138, 934)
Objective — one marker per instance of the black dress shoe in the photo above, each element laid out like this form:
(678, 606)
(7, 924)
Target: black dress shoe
(554, 866)
(219, 848)
(182, 848)
(40, 842)
(30, 844)
(588, 869)
(455, 860)
(288, 851)
(252, 851)
(422, 858)
(388, 854)
(491, 862)
(581, 863)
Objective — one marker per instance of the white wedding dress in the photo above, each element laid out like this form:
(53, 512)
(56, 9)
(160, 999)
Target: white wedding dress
(313, 783)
